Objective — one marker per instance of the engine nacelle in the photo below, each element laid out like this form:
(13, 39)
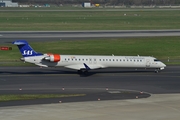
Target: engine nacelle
(53, 58)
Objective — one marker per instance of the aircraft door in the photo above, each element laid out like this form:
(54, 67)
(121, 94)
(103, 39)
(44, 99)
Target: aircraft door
(148, 63)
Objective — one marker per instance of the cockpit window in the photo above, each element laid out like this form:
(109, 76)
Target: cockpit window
(156, 60)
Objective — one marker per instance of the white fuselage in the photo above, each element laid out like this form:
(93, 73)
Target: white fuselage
(94, 62)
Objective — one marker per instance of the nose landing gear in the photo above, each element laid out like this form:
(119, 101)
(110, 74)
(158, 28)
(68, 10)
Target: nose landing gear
(157, 70)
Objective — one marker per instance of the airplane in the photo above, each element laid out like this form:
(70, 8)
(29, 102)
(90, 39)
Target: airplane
(84, 63)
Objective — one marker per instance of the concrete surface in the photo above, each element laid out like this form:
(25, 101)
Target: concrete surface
(157, 107)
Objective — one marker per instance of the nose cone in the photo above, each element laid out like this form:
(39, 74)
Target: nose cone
(163, 65)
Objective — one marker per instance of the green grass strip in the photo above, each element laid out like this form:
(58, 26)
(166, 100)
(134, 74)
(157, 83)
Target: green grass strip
(4, 98)
(89, 20)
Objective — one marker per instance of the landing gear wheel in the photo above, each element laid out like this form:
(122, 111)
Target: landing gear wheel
(84, 72)
(157, 70)
(79, 71)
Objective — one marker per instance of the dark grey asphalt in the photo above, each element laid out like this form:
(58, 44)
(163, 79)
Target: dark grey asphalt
(31, 80)
(35, 78)
(61, 35)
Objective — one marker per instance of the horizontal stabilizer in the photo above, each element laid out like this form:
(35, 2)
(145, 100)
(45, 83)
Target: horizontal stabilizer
(41, 65)
(20, 42)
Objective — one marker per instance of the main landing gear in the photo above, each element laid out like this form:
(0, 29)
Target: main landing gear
(82, 71)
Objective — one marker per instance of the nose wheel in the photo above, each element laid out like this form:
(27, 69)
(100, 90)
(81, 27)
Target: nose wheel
(157, 70)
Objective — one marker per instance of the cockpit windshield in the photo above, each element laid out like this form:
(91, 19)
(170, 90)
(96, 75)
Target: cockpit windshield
(156, 60)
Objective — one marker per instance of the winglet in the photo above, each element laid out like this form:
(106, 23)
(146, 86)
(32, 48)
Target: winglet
(87, 67)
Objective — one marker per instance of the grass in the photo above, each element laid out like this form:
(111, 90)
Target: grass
(89, 20)
(5, 98)
(163, 48)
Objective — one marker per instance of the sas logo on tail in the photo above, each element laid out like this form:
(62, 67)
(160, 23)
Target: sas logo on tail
(27, 52)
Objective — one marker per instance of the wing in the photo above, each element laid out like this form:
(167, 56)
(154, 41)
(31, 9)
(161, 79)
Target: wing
(84, 66)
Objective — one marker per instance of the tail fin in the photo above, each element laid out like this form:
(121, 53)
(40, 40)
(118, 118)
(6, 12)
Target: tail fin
(25, 48)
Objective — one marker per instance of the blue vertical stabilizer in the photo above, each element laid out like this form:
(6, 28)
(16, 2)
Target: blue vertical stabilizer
(25, 49)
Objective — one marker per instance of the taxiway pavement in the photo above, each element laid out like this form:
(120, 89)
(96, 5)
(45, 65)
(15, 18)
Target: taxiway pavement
(157, 107)
(36, 78)
(9, 36)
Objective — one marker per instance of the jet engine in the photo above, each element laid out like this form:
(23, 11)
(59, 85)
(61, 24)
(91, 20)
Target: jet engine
(53, 58)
